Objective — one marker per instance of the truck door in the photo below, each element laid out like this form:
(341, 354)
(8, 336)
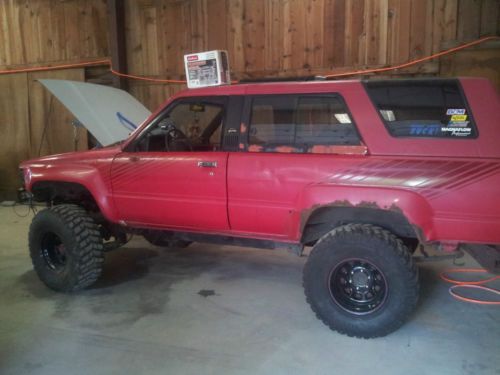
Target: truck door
(174, 173)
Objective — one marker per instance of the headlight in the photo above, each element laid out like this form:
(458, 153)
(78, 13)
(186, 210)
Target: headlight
(25, 176)
(21, 176)
(22, 195)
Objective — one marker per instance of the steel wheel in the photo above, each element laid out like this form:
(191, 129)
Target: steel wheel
(358, 286)
(53, 251)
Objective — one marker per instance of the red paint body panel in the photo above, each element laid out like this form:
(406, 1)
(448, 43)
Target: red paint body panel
(170, 190)
(267, 192)
(88, 168)
(449, 188)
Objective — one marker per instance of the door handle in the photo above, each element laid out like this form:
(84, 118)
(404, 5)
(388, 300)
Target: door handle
(207, 164)
(133, 158)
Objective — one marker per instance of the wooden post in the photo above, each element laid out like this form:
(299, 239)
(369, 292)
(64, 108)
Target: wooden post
(117, 46)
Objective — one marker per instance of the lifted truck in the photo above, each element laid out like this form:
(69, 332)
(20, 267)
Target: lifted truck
(362, 171)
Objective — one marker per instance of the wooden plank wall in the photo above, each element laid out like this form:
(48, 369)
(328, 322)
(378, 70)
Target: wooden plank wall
(40, 32)
(296, 37)
(35, 33)
(484, 62)
(14, 128)
(263, 37)
(25, 108)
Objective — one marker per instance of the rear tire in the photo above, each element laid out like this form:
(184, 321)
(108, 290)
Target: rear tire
(66, 248)
(361, 281)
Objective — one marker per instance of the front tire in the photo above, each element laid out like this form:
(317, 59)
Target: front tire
(361, 281)
(66, 248)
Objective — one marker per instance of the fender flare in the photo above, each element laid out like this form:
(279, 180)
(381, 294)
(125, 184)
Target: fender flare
(411, 205)
(87, 176)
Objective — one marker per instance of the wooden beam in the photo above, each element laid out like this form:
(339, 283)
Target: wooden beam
(117, 46)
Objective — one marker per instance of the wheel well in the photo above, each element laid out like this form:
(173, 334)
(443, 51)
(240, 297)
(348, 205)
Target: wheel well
(57, 192)
(324, 219)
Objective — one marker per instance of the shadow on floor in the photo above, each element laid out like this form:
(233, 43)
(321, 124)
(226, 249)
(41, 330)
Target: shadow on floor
(123, 266)
(119, 267)
(134, 263)
(429, 281)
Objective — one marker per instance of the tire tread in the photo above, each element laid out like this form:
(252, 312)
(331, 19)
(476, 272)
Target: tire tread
(401, 251)
(88, 250)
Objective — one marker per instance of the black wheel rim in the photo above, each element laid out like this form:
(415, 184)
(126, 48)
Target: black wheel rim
(53, 251)
(358, 286)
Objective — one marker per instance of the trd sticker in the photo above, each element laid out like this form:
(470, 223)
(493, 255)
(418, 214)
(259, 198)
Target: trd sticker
(455, 111)
(458, 118)
(424, 129)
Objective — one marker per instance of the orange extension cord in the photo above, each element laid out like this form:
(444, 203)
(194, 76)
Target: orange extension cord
(478, 285)
(172, 81)
(416, 61)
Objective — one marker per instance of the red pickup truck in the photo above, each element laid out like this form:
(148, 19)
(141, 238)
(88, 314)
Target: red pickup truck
(365, 172)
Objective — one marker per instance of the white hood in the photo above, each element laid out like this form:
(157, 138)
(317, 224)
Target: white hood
(109, 114)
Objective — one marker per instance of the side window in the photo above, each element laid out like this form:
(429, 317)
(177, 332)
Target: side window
(324, 120)
(435, 109)
(191, 125)
(272, 120)
(300, 122)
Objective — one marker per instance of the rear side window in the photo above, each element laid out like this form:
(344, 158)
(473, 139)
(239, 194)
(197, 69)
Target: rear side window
(435, 109)
(301, 122)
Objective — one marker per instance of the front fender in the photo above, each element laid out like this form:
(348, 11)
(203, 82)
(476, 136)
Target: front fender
(94, 178)
(412, 205)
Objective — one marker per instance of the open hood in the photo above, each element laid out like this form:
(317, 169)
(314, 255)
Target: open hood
(109, 114)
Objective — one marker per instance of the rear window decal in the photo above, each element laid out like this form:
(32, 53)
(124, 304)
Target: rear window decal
(458, 118)
(452, 111)
(458, 123)
(423, 109)
(457, 131)
(425, 129)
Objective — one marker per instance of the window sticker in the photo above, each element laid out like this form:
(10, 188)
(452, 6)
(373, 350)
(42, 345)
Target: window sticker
(453, 111)
(424, 129)
(457, 131)
(458, 118)
(343, 118)
(423, 109)
(458, 126)
(459, 123)
(388, 115)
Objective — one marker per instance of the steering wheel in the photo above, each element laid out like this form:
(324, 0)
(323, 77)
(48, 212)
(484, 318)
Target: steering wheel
(174, 136)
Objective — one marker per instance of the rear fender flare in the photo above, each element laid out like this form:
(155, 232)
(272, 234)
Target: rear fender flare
(408, 204)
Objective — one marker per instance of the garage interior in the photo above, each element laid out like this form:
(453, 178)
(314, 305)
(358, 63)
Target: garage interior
(212, 308)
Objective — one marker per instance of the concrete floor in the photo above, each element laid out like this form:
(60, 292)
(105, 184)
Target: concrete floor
(217, 310)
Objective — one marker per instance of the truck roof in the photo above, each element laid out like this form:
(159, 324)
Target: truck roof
(289, 85)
